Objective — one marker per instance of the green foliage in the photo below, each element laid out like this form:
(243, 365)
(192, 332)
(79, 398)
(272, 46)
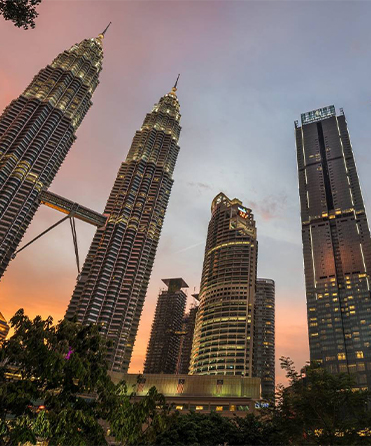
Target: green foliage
(198, 429)
(54, 387)
(22, 12)
(317, 408)
(44, 372)
(321, 408)
(138, 421)
(63, 368)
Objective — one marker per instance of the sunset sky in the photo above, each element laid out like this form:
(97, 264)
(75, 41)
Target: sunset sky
(248, 70)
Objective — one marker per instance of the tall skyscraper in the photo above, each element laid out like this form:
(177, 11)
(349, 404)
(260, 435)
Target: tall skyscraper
(4, 328)
(36, 133)
(223, 339)
(264, 339)
(185, 349)
(114, 280)
(164, 342)
(336, 246)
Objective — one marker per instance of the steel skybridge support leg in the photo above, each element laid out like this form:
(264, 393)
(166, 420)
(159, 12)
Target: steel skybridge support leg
(75, 245)
(40, 235)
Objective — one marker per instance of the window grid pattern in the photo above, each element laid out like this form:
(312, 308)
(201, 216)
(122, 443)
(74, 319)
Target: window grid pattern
(336, 248)
(36, 133)
(114, 279)
(223, 337)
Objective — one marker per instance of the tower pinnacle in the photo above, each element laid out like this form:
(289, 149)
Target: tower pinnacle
(101, 35)
(174, 89)
(176, 82)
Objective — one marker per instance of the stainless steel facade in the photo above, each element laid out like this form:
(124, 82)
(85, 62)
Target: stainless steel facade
(264, 336)
(223, 338)
(114, 280)
(36, 133)
(336, 246)
(164, 342)
(4, 329)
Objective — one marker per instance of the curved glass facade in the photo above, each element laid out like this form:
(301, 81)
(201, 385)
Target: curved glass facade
(223, 338)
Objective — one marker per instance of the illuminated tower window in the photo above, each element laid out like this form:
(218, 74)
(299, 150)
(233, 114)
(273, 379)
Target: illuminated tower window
(264, 336)
(36, 133)
(223, 337)
(336, 245)
(166, 333)
(114, 280)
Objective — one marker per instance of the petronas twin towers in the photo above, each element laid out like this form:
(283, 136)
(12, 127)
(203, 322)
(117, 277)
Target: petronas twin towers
(114, 279)
(36, 133)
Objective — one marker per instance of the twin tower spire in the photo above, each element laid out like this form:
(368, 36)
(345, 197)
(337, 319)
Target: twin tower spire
(101, 36)
(37, 131)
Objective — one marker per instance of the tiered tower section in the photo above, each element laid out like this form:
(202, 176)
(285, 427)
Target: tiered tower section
(223, 338)
(36, 133)
(336, 246)
(4, 329)
(115, 276)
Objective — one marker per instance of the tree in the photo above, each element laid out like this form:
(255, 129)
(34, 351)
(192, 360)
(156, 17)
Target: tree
(54, 387)
(197, 429)
(138, 421)
(322, 408)
(22, 12)
(213, 429)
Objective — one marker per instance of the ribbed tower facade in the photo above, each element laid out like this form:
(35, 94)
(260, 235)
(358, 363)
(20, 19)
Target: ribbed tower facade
(264, 336)
(4, 329)
(336, 246)
(36, 133)
(223, 338)
(164, 342)
(114, 279)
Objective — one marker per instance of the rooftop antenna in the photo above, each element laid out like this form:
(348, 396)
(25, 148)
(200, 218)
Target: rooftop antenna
(101, 35)
(176, 82)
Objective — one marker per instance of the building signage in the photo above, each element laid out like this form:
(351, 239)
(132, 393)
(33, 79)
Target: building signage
(318, 115)
(242, 212)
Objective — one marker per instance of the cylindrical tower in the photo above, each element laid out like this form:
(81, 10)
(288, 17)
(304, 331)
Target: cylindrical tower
(36, 133)
(223, 338)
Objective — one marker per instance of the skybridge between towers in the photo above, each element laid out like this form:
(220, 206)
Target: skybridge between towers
(72, 210)
(69, 207)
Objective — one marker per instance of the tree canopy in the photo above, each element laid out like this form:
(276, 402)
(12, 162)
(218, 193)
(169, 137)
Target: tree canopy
(21, 12)
(322, 408)
(198, 429)
(54, 386)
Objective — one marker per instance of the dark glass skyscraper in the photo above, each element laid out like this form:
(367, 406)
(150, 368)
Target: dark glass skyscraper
(164, 342)
(36, 133)
(336, 246)
(264, 336)
(113, 283)
(223, 338)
